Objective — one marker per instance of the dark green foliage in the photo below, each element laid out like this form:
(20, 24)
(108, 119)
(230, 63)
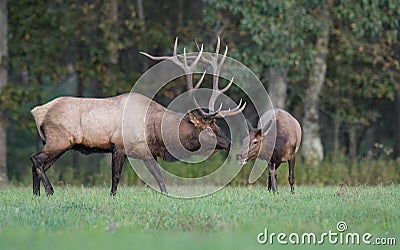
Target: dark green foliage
(69, 48)
(375, 169)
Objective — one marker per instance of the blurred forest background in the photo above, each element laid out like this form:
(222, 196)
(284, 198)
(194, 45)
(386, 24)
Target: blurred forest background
(333, 64)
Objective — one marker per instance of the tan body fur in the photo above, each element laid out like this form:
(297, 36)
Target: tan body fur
(128, 125)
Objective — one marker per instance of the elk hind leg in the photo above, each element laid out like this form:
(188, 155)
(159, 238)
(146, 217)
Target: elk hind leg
(40, 160)
(35, 177)
(57, 143)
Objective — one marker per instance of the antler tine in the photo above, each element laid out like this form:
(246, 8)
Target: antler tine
(235, 111)
(197, 59)
(175, 47)
(227, 86)
(197, 45)
(184, 58)
(219, 109)
(156, 58)
(174, 57)
(201, 80)
(223, 58)
(218, 45)
(238, 106)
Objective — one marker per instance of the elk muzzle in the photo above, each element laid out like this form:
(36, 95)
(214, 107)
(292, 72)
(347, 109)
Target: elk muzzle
(242, 159)
(223, 142)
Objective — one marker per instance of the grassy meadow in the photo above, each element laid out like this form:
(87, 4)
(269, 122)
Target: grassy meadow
(88, 218)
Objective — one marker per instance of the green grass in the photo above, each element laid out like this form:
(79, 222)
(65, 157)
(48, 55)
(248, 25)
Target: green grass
(88, 218)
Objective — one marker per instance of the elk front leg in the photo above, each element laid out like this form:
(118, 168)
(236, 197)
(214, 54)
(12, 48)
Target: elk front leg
(269, 177)
(154, 169)
(118, 159)
(292, 162)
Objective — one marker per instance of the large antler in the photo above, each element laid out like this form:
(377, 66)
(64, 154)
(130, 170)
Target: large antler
(189, 79)
(216, 68)
(186, 68)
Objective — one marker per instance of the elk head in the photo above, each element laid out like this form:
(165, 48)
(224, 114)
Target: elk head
(201, 125)
(252, 144)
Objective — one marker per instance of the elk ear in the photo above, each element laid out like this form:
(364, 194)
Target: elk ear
(249, 125)
(266, 128)
(258, 132)
(195, 119)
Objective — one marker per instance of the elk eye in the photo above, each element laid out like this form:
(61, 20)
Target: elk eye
(255, 142)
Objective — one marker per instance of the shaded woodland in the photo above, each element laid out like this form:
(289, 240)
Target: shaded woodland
(335, 65)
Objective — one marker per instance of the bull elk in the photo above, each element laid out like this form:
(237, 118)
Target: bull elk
(92, 125)
(285, 132)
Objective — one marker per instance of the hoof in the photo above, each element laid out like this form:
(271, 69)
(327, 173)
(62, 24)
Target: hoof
(49, 192)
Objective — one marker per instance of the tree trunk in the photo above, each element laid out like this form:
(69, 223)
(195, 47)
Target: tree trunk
(312, 150)
(3, 82)
(336, 131)
(396, 150)
(140, 10)
(277, 86)
(113, 15)
(352, 130)
(180, 14)
(113, 50)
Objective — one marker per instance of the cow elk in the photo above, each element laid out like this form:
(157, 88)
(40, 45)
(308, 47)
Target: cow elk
(282, 138)
(92, 125)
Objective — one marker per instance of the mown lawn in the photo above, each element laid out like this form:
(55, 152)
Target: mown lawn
(88, 218)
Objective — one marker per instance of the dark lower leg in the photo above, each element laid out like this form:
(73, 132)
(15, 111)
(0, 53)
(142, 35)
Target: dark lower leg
(154, 169)
(35, 176)
(45, 180)
(269, 181)
(291, 174)
(35, 181)
(118, 159)
(41, 163)
(39, 160)
(272, 175)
